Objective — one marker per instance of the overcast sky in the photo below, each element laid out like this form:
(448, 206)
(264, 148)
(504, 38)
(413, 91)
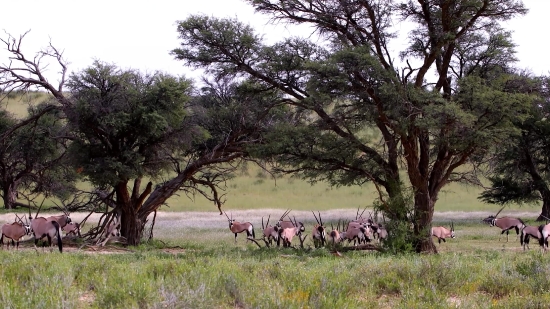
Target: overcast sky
(140, 34)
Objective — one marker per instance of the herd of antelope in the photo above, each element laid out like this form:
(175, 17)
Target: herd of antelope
(51, 229)
(359, 230)
(362, 230)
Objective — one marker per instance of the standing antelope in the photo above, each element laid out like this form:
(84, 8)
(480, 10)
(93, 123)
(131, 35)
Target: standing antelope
(270, 232)
(442, 232)
(63, 219)
(544, 232)
(318, 234)
(526, 233)
(14, 232)
(334, 235)
(357, 234)
(505, 224)
(286, 234)
(238, 227)
(43, 228)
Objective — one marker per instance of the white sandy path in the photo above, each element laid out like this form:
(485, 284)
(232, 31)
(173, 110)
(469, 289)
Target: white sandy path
(194, 219)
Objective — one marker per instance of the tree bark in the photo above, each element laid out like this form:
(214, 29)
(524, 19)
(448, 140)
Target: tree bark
(545, 212)
(10, 196)
(424, 209)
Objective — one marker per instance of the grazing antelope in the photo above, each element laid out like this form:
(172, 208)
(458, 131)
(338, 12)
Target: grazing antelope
(528, 232)
(14, 232)
(238, 227)
(41, 228)
(270, 232)
(505, 224)
(442, 232)
(72, 228)
(318, 234)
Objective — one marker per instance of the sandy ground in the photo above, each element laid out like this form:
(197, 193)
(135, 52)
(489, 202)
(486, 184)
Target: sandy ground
(177, 224)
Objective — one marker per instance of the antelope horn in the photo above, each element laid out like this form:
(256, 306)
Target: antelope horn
(315, 218)
(357, 214)
(361, 215)
(320, 220)
(263, 226)
(285, 214)
(267, 224)
(499, 211)
(226, 215)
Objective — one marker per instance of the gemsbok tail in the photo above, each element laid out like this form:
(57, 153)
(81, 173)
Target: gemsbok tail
(59, 242)
(543, 234)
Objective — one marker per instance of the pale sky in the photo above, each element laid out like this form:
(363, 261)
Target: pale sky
(140, 34)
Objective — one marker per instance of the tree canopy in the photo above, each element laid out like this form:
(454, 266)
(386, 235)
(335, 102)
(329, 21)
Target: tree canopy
(360, 114)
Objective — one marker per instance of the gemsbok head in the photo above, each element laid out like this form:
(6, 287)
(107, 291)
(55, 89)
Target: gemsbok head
(505, 223)
(442, 232)
(238, 227)
(14, 232)
(319, 234)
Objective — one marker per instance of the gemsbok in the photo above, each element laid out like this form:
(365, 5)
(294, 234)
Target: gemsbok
(544, 230)
(287, 234)
(528, 232)
(42, 228)
(442, 232)
(14, 232)
(505, 224)
(334, 236)
(319, 233)
(72, 229)
(238, 227)
(270, 233)
(357, 234)
(63, 219)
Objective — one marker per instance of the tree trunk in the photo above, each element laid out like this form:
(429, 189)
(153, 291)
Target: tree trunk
(10, 196)
(131, 226)
(545, 212)
(424, 210)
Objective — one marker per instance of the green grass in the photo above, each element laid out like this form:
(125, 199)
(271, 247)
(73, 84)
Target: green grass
(210, 271)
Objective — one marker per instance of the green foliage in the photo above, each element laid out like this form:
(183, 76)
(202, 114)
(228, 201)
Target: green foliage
(126, 122)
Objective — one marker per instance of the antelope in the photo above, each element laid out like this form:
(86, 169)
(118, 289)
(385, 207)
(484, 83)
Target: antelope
(286, 234)
(526, 233)
(111, 230)
(357, 234)
(544, 232)
(270, 232)
(505, 224)
(72, 228)
(238, 227)
(14, 231)
(289, 224)
(334, 235)
(442, 232)
(318, 234)
(63, 219)
(41, 228)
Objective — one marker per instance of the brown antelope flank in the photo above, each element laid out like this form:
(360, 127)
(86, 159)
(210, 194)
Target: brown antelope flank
(505, 223)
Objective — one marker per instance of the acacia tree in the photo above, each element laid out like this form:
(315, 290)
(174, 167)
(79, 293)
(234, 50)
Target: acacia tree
(360, 116)
(128, 126)
(520, 167)
(32, 156)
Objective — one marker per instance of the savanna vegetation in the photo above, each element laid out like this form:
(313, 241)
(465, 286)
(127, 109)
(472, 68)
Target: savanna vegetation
(341, 110)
